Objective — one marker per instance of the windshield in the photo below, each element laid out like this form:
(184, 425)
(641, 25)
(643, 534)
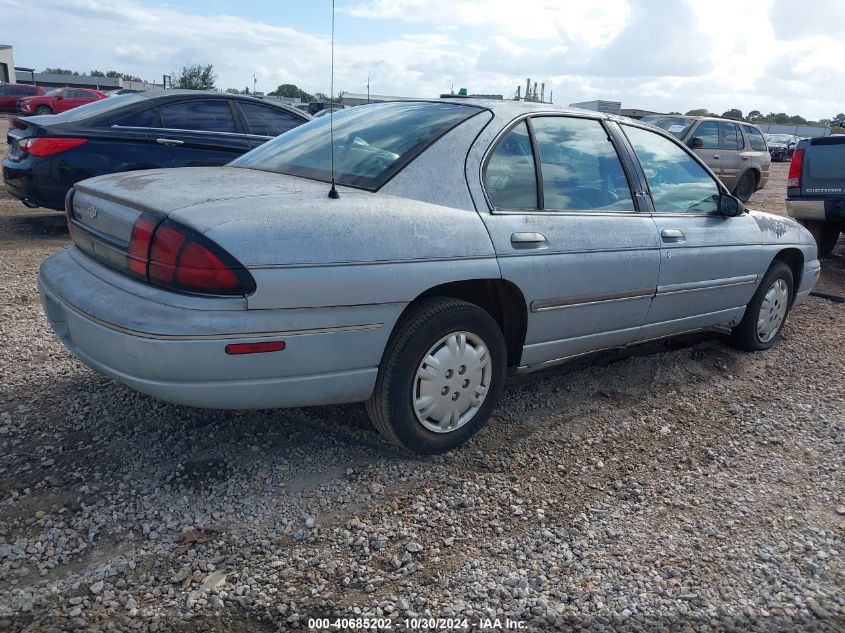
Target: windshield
(96, 108)
(675, 125)
(371, 142)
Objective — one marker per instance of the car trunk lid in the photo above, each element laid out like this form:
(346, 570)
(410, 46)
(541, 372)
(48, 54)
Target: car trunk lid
(104, 209)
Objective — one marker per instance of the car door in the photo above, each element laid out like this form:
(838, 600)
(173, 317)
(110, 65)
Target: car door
(197, 132)
(732, 155)
(62, 101)
(710, 263)
(567, 233)
(709, 151)
(265, 122)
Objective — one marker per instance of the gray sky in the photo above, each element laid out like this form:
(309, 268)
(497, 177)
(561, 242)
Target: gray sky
(768, 55)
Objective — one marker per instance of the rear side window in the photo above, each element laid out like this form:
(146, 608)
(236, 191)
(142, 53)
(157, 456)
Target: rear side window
(203, 115)
(755, 138)
(581, 170)
(266, 121)
(677, 182)
(510, 176)
(145, 118)
(708, 131)
(731, 136)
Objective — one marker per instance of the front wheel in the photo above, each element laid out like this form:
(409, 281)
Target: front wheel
(440, 378)
(746, 186)
(43, 110)
(766, 313)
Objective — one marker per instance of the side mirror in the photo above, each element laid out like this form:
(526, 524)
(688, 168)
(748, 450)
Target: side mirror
(695, 142)
(730, 206)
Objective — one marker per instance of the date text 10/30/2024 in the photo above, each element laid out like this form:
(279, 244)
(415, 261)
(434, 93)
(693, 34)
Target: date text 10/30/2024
(415, 624)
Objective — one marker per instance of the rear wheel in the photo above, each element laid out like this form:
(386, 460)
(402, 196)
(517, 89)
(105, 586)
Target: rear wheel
(766, 313)
(825, 234)
(440, 378)
(42, 109)
(746, 186)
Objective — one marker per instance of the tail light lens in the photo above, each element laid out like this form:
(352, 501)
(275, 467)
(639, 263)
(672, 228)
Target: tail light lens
(796, 168)
(168, 254)
(46, 146)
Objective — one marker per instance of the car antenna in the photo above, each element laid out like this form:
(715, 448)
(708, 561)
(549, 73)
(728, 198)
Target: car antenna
(333, 194)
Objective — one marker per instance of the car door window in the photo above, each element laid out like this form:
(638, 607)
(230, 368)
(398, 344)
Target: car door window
(755, 138)
(266, 121)
(580, 168)
(731, 136)
(206, 115)
(708, 132)
(510, 177)
(145, 118)
(676, 181)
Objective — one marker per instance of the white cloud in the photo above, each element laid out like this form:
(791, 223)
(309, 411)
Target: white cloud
(666, 55)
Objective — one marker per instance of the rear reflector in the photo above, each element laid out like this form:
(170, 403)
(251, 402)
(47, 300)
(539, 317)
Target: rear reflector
(255, 348)
(139, 244)
(46, 146)
(796, 167)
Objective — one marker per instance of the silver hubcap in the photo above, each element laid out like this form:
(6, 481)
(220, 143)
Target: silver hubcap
(772, 311)
(451, 382)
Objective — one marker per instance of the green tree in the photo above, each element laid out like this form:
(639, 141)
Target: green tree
(292, 91)
(60, 71)
(196, 77)
(797, 120)
(733, 113)
(96, 73)
(781, 118)
(698, 112)
(755, 115)
(233, 91)
(839, 120)
(825, 122)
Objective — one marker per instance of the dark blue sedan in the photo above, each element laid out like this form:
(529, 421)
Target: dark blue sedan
(47, 155)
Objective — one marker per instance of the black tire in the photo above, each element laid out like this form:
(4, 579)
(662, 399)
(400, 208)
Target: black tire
(825, 234)
(746, 186)
(391, 408)
(43, 109)
(745, 335)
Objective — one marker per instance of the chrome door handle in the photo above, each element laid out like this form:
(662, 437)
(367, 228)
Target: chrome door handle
(672, 235)
(528, 238)
(744, 157)
(169, 141)
(716, 156)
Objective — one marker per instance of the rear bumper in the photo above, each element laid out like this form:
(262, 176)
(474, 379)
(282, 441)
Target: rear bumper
(31, 181)
(825, 210)
(333, 363)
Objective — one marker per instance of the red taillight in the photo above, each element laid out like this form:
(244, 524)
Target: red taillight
(45, 146)
(796, 167)
(174, 256)
(255, 348)
(139, 244)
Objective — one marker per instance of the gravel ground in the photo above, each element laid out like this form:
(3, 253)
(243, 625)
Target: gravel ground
(682, 487)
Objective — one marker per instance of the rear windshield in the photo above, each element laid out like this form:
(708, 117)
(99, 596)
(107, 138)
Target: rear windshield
(675, 125)
(371, 142)
(96, 108)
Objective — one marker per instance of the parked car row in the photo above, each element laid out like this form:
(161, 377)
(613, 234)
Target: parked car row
(47, 155)
(29, 100)
(735, 151)
(468, 241)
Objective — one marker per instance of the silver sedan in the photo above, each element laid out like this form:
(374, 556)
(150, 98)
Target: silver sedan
(464, 241)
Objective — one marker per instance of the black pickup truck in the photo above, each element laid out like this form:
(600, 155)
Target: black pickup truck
(815, 189)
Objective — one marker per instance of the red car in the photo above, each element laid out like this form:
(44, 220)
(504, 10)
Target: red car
(11, 93)
(59, 100)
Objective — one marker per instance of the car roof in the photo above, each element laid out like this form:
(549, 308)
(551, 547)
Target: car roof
(159, 95)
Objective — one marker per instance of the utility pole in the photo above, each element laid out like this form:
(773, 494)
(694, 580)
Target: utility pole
(368, 88)
(543, 92)
(518, 93)
(254, 82)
